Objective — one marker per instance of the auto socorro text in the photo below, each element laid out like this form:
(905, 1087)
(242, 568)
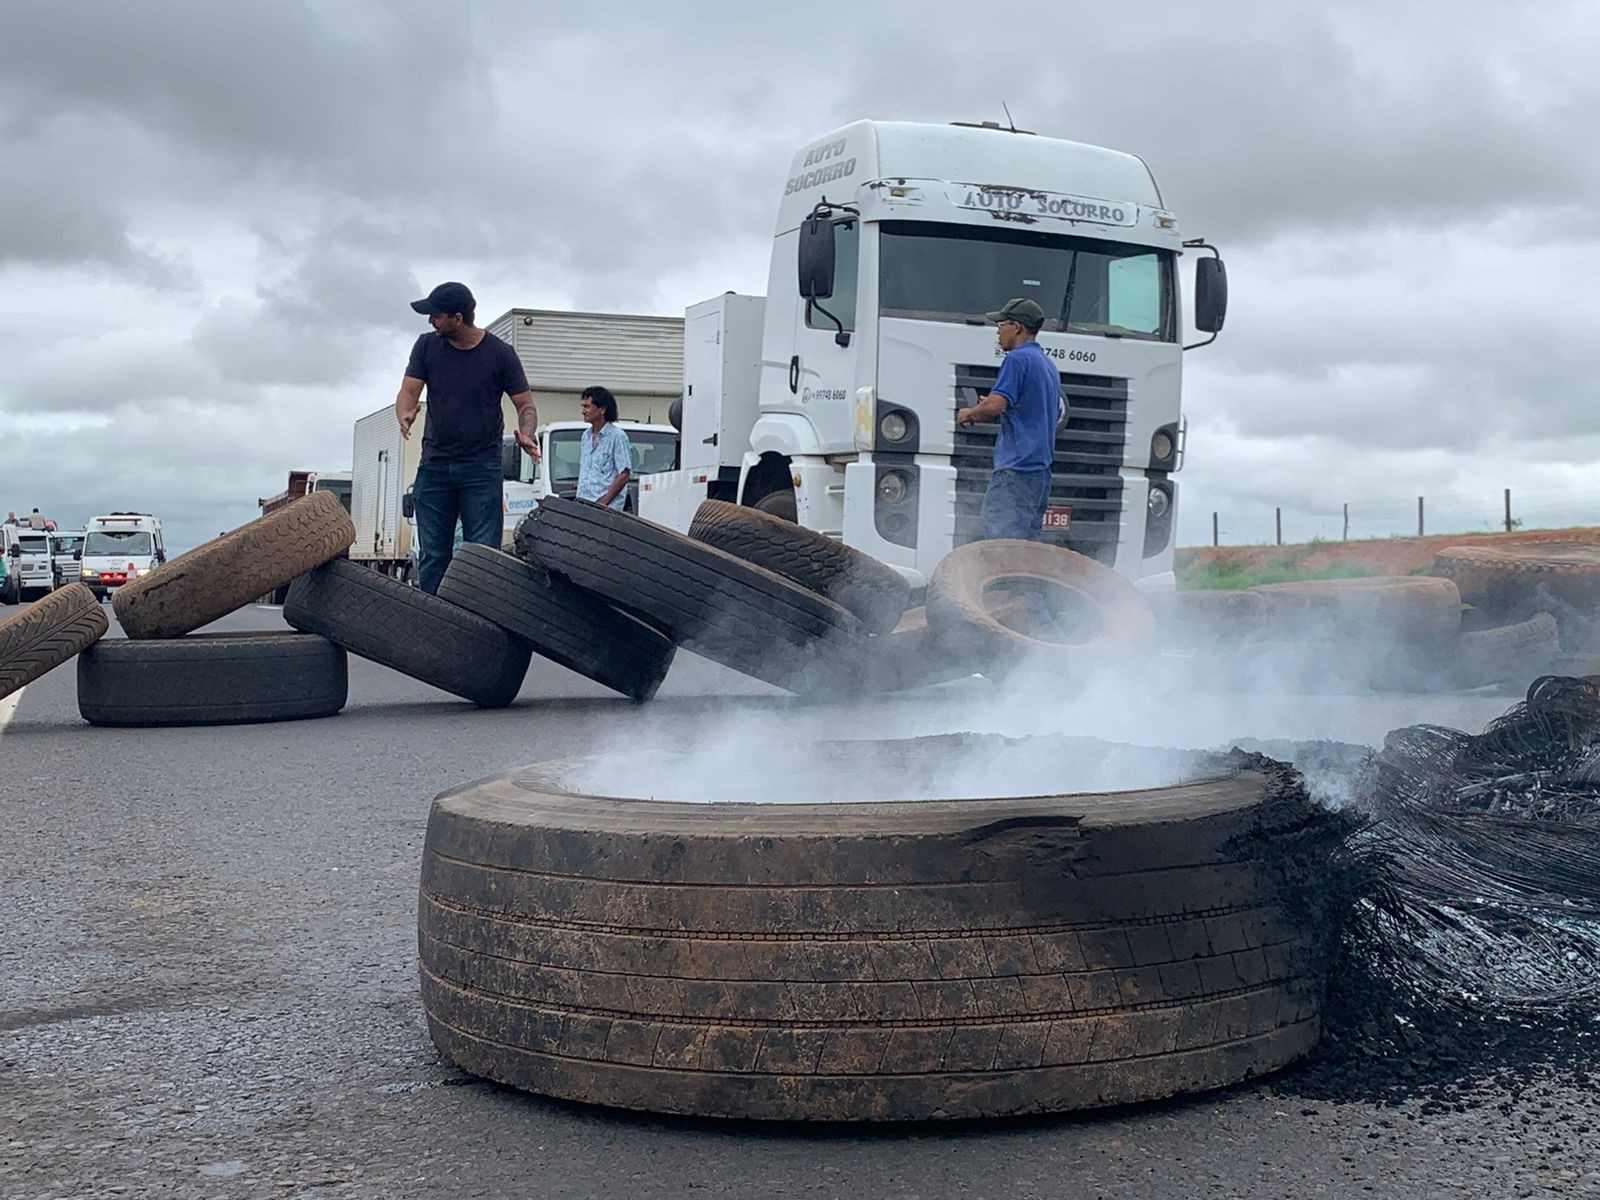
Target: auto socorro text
(834, 166)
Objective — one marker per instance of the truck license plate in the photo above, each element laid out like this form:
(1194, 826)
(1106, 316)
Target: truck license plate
(1058, 517)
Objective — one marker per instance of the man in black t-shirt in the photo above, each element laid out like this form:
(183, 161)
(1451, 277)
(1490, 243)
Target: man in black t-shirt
(466, 370)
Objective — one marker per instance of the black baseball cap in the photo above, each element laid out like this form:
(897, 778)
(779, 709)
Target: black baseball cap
(1024, 312)
(446, 298)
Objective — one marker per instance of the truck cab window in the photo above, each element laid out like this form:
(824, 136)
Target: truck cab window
(846, 269)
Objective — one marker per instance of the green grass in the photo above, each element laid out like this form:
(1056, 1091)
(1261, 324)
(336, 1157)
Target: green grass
(1222, 575)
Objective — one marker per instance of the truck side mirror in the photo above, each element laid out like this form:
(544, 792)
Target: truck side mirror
(408, 506)
(1210, 295)
(16, 550)
(816, 258)
(510, 460)
(78, 553)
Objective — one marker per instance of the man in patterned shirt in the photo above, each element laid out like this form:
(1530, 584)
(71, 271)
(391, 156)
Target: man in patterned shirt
(606, 462)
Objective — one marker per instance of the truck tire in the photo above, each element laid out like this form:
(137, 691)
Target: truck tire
(1195, 619)
(717, 605)
(409, 631)
(235, 569)
(920, 960)
(561, 622)
(1518, 580)
(1414, 609)
(960, 604)
(64, 623)
(211, 679)
(875, 592)
(1515, 654)
(780, 504)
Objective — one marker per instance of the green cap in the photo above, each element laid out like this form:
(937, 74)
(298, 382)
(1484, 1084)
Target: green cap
(1025, 311)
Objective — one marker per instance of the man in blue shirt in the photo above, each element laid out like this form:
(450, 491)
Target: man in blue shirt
(1026, 400)
(605, 464)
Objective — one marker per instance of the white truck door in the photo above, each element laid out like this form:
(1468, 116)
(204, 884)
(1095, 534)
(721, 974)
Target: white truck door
(823, 372)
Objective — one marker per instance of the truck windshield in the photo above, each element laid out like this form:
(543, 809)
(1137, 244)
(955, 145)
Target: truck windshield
(958, 273)
(34, 545)
(66, 545)
(652, 452)
(340, 489)
(116, 543)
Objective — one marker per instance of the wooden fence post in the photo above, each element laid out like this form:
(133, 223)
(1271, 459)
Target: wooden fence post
(1419, 516)
(1215, 541)
(1508, 510)
(1345, 537)
(1278, 513)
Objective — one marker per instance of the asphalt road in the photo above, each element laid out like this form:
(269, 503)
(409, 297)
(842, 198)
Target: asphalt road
(208, 982)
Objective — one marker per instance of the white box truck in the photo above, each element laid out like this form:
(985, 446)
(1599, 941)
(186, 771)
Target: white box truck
(834, 397)
(117, 549)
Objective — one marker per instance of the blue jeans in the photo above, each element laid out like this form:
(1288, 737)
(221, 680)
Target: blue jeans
(443, 493)
(1013, 506)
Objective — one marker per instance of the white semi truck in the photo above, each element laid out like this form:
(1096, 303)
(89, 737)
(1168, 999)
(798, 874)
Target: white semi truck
(385, 466)
(833, 398)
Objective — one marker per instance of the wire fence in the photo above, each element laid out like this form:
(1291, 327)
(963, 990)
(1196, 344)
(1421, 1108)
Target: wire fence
(1507, 510)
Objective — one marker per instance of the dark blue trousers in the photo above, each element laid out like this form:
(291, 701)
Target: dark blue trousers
(444, 493)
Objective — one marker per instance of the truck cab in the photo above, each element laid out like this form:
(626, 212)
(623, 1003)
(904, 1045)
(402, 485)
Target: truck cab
(654, 449)
(66, 549)
(30, 566)
(893, 240)
(117, 549)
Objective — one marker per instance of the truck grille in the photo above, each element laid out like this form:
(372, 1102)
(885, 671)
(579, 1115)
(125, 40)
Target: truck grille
(1085, 475)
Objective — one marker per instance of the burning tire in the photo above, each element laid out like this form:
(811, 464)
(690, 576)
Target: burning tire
(729, 610)
(876, 593)
(235, 569)
(867, 960)
(560, 622)
(1412, 609)
(1519, 580)
(1115, 618)
(211, 679)
(409, 631)
(48, 633)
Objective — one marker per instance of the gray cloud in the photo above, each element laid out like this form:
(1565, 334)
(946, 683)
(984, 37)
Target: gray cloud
(218, 216)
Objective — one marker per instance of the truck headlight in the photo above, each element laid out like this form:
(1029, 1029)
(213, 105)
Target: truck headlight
(1158, 503)
(892, 487)
(1161, 446)
(86, 573)
(893, 427)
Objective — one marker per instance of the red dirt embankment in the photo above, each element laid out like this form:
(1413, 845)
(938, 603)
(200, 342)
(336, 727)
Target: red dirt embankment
(1388, 556)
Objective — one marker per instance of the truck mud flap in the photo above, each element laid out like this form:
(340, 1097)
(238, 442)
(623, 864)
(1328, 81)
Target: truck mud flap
(875, 592)
(211, 679)
(731, 611)
(47, 634)
(235, 569)
(409, 631)
(559, 621)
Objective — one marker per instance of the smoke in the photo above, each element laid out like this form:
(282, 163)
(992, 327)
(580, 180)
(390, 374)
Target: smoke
(1060, 722)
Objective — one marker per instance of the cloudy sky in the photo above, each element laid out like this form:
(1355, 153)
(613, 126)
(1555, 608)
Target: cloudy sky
(212, 217)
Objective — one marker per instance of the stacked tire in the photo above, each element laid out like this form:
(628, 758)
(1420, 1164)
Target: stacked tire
(163, 673)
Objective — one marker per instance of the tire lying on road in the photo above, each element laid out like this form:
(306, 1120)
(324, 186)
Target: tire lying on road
(235, 569)
(717, 605)
(1110, 611)
(1519, 580)
(569, 626)
(409, 631)
(48, 633)
(875, 592)
(1515, 654)
(934, 959)
(1189, 620)
(1398, 609)
(211, 679)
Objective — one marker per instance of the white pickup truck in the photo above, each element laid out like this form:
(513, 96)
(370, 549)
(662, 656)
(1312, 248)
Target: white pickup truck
(30, 566)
